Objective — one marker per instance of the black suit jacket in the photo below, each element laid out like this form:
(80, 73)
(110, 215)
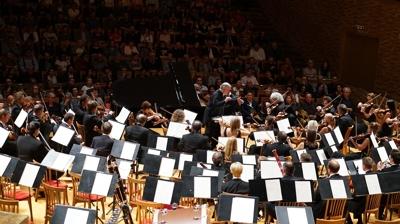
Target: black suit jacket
(103, 144)
(281, 148)
(91, 120)
(218, 107)
(137, 133)
(344, 122)
(74, 140)
(191, 142)
(236, 186)
(247, 108)
(391, 168)
(30, 149)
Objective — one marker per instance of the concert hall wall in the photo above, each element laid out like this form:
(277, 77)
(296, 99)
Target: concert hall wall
(319, 29)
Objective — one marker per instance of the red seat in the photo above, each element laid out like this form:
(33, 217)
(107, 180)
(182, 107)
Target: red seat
(91, 197)
(57, 184)
(19, 195)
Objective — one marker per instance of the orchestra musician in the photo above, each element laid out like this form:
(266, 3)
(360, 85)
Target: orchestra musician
(103, 143)
(344, 121)
(328, 124)
(250, 109)
(31, 149)
(138, 132)
(68, 122)
(154, 120)
(178, 116)
(92, 123)
(282, 148)
(193, 141)
(236, 185)
(9, 147)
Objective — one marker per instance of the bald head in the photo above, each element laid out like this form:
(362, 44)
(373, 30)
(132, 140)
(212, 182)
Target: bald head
(333, 166)
(141, 119)
(196, 126)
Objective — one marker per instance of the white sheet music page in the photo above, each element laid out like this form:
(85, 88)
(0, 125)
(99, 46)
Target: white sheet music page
(128, 150)
(270, 169)
(343, 171)
(299, 152)
(260, 136)
(86, 150)
(4, 161)
(358, 165)
(164, 192)
(338, 135)
(62, 162)
(123, 115)
(297, 215)
(162, 143)
(3, 136)
(154, 152)
(329, 139)
(373, 140)
(303, 191)
(116, 130)
(189, 115)
(21, 118)
(210, 173)
(392, 144)
(202, 187)
(321, 155)
(309, 172)
(284, 125)
(124, 168)
(71, 112)
(373, 184)
(382, 154)
(182, 158)
(101, 184)
(91, 163)
(209, 156)
(177, 130)
(166, 167)
(247, 173)
(63, 135)
(338, 189)
(242, 210)
(249, 159)
(29, 175)
(273, 189)
(76, 216)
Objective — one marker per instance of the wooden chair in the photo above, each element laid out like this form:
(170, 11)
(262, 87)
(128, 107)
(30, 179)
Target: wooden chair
(54, 196)
(346, 138)
(393, 202)
(331, 221)
(80, 197)
(371, 206)
(9, 191)
(397, 221)
(145, 211)
(9, 205)
(80, 129)
(334, 209)
(55, 183)
(135, 188)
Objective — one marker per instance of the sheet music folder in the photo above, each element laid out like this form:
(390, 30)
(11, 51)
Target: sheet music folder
(73, 215)
(28, 174)
(97, 183)
(94, 163)
(200, 187)
(7, 165)
(334, 189)
(162, 191)
(237, 208)
(294, 215)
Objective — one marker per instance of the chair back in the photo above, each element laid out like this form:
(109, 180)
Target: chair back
(9, 205)
(331, 221)
(54, 196)
(372, 203)
(145, 211)
(7, 188)
(394, 200)
(135, 188)
(291, 204)
(397, 221)
(334, 208)
(81, 129)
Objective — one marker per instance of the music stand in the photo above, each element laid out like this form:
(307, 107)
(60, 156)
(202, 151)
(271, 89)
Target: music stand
(237, 208)
(294, 215)
(73, 215)
(7, 165)
(80, 149)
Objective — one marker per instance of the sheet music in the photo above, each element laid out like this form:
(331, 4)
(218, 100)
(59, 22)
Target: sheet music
(392, 144)
(128, 150)
(373, 184)
(3, 136)
(117, 130)
(247, 173)
(124, 168)
(210, 173)
(162, 143)
(177, 130)
(297, 215)
(21, 118)
(29, 175)
(101, 184)
(333, 148)
(299, 152)
(91, 163)
(76, 216)
(260, 136)
(164, 192)
(373, 140)
(242, 210)
(249, 159)
(71, 112)
(123, 115)
(63, 135)
(303, 191)
(62, 162)
(382, 154)
(86, 150)
(273, 189)
(343, 168)
(182, 158)
(202, 187)
(190, 116)
(270, 169)
(338, 189)
(358, 165)
(309, 172)
(4, 161)
(284, 125)
(338, 134)
(321, 155)
(329, 139)
(166, 167)
(153, 152)
(210, 154)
